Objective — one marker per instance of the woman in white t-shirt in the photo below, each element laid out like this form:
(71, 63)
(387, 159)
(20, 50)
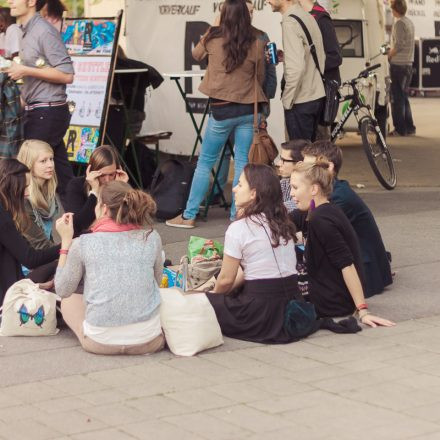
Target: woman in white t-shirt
(250, 304)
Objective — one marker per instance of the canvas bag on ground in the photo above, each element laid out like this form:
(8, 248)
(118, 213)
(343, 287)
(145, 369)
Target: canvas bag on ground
(263, 149)
(189, 322)
(331, 87)
(170, 187)
(28, 311)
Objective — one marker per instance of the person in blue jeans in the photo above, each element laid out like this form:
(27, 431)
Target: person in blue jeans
(269, 89)
(236, 54)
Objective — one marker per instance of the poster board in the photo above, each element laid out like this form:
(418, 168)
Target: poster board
(92, 45)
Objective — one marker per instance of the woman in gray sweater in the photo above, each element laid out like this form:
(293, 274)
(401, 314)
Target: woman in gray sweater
(121, 263)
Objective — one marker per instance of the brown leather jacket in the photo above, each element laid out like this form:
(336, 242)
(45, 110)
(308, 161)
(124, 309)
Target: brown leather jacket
(238, 85)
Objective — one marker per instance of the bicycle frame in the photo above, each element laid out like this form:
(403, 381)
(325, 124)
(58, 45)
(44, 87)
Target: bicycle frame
(355, 105)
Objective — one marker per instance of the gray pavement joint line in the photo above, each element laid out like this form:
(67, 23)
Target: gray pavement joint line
(415, 265)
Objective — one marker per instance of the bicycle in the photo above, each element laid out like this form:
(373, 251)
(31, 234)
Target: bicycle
(373, 141)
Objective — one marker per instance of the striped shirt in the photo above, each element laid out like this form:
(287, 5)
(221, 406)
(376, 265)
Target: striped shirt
(402, 39)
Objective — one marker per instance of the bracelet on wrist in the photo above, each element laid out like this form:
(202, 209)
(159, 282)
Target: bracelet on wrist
(362, 307)
(63, 251)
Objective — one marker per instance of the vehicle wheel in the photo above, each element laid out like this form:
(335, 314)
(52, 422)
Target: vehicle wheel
(377, 153)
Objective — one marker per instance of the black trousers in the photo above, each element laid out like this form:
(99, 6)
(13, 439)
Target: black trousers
(302, 119)
(49, 124)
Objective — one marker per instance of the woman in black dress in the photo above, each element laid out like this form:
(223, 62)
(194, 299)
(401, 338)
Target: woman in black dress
(81, 194)
(258, 275)
(14, 249)
(332, 251)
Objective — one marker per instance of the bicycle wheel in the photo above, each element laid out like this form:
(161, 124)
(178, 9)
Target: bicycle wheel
(377, 153)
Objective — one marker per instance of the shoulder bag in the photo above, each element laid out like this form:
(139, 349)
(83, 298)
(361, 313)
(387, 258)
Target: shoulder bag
(331, 86)
(263, 149)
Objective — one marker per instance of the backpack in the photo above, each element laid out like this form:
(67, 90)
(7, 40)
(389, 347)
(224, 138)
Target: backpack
(171, 186)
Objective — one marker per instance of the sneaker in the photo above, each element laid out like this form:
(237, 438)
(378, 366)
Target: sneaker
(180, 222)
(411, 133)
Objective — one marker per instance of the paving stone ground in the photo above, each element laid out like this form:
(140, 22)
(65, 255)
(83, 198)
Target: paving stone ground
(378, 384)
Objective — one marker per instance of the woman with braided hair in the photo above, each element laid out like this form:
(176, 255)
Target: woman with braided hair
(121, 263)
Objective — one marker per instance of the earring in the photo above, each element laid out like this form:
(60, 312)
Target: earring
(312, 205)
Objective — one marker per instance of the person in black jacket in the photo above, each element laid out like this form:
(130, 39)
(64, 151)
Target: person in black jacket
(14, 249)
(332, 251)
(81, 195)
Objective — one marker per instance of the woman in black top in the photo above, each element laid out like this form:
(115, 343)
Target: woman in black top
(332, 252)
(104, 166)
(14, 249)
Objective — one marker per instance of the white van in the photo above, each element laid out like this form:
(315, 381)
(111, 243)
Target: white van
(360, 28)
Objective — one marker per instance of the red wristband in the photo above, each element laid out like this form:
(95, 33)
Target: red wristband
(64, 251)
(362, 307)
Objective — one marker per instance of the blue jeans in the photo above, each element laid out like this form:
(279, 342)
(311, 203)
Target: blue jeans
(400, 107)
(216, 135)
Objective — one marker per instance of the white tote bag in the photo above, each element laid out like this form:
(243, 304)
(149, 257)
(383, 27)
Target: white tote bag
(189, 322)
(28, 311)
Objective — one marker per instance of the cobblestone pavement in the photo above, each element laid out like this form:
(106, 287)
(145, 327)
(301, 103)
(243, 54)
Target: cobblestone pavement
(381, 384)
(378, 384)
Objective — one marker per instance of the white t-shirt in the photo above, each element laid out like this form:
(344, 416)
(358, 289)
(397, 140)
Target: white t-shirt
(13, 39)
(247, 241)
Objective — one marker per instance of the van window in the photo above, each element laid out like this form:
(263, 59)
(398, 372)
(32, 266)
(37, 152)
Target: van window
(350, 37)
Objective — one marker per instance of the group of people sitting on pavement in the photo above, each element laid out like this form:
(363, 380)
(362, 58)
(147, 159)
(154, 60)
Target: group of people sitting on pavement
(108, 266)
(109, 277)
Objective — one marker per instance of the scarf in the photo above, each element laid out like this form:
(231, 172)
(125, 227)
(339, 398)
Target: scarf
(106, 224)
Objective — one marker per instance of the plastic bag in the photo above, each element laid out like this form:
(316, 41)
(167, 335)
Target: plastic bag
(203, 249)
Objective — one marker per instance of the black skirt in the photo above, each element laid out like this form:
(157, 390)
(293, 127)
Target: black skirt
(256, 312)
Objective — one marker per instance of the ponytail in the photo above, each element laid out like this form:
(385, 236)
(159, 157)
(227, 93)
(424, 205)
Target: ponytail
(127, 205)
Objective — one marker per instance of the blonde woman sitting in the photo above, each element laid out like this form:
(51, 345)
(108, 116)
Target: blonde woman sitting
(41, 204)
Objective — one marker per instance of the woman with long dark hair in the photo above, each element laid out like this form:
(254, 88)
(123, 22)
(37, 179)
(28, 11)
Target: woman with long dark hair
(235, 55)
(258, 275)
(14, 249)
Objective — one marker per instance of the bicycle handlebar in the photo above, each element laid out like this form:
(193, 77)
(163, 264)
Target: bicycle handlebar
(366, 72)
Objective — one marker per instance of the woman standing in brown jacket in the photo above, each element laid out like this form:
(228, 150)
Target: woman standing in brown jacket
(235, 54)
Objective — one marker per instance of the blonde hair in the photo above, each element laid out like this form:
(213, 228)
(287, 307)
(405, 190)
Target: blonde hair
(41, 193)
(127, 205)
(317, 173)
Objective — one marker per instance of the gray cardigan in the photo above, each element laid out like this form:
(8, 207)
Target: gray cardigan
(121, 271)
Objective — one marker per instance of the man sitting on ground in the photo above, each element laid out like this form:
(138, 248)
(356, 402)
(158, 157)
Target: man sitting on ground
(291, 153)
(376, 263)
